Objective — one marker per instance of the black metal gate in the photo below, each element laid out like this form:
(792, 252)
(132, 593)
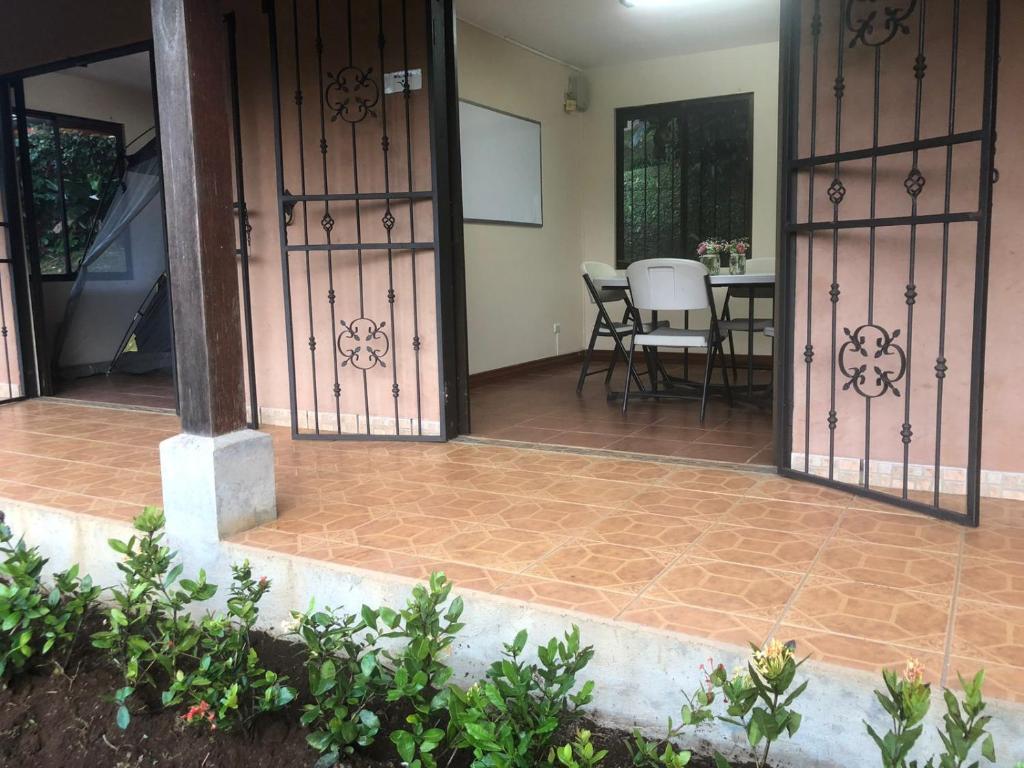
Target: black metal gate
(357, 210)
(15, 324)
(888, 130)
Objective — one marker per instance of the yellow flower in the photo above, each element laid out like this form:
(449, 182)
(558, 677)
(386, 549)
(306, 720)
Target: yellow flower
(771, 660)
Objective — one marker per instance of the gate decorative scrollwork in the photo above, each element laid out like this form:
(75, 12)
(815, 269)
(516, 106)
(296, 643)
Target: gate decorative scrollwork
(352, 94)
(862, 18)
(874, 355)
(363, 343)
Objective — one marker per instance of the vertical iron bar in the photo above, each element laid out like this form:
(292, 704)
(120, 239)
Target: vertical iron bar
(407, 96)
(911, 292)
(987, 170)
(872, 237)
(243, 217)
(359, 217)
(389, 219)
(275, 89)
(940, 362)
(833, 418)
(327, 222)
(809, 346)
(305, 211)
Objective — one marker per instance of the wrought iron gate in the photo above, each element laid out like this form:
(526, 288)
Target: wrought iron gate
(888, 129)
(14, 330)
(357, 215)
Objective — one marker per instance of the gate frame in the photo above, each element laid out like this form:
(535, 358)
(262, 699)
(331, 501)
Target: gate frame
(785, 296)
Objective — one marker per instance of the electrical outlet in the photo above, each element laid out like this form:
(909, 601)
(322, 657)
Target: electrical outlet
(556, 328)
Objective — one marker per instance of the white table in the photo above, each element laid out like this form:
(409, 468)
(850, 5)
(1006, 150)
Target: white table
(723, 280)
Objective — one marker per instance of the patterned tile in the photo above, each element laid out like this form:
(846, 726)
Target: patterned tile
(560, 594)
(912, 619)
(785, 516)
(603, 566)
(741, 589)
(780, 550)
(699, 622)
(888, 566)
(993, 581)
(989, 631)
(904, 530)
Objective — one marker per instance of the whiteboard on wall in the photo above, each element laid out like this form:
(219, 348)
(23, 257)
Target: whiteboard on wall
(501, 167)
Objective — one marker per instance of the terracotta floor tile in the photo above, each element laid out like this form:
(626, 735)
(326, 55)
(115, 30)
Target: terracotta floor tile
(698, 622)
(858, 652)
(731, 587)
(680, 502)
(779, 550)
(561, 594)
(784, 489)
(888, 566)
(504, 548)
(993, 581)
(603, 566)
(646, 530)
(989, 631)
(784, 516)
(903, 530)
(912, 619)
(722, 436)
(995, 542)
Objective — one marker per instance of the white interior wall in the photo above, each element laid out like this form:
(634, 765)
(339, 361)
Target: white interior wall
(520, 280)
(66, 94)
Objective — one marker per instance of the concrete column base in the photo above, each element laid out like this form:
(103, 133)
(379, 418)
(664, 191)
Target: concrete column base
(215, 487)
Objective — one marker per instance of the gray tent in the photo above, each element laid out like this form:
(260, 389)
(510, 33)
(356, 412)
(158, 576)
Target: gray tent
(118, 316)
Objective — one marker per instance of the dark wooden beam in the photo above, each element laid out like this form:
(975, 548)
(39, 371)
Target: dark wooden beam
(192, 90)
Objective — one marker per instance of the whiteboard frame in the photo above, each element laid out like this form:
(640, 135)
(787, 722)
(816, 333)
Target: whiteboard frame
(540, 141)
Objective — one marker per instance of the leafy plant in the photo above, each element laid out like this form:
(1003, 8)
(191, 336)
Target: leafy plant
(149, 626)
(907, 699)
(419, 676)
(759, 699)
(229, 687)
(347, 682)
(37, 622)
(579, 753)
(511, 717)
(695, 712)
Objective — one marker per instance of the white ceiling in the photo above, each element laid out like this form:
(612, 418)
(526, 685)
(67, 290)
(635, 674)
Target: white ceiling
(130, 71)
(591, 33)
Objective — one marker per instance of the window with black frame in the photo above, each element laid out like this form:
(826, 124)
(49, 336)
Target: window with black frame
(685, 174)
(74, 163)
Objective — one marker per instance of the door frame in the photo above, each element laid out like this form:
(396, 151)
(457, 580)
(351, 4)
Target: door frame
(34, 348)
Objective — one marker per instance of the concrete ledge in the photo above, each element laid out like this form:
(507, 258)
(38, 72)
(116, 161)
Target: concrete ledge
(215, 487)
(639, 671)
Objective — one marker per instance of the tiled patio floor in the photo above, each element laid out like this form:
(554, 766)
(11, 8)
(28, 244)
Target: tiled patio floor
(735, 556)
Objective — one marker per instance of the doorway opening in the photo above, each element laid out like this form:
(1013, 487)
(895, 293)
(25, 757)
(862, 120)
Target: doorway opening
(91, 188)
(581, 155)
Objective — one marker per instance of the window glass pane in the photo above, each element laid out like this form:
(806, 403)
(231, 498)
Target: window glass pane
(89, 159)
(687, 172)
(49, 219)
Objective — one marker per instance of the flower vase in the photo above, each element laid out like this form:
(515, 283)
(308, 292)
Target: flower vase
(737, 264)
(713, 262)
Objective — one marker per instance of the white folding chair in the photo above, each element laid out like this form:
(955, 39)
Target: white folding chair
(604, 325)
(666, 285)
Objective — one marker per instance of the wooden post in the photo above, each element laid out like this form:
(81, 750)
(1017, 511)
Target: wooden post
(192, 90)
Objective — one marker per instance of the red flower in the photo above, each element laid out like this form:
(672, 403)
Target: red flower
(264, 581)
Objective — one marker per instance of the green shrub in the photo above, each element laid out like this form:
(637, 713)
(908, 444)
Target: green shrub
(759, 699)
(419, 674)
(511, 717)
(227, 686)
(579, 753)
(149, 626)
(907, 699)
(37, 623)
(696, 711)
(347, 681)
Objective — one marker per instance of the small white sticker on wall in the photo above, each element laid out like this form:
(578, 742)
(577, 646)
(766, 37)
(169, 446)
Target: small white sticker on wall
(394, 82)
